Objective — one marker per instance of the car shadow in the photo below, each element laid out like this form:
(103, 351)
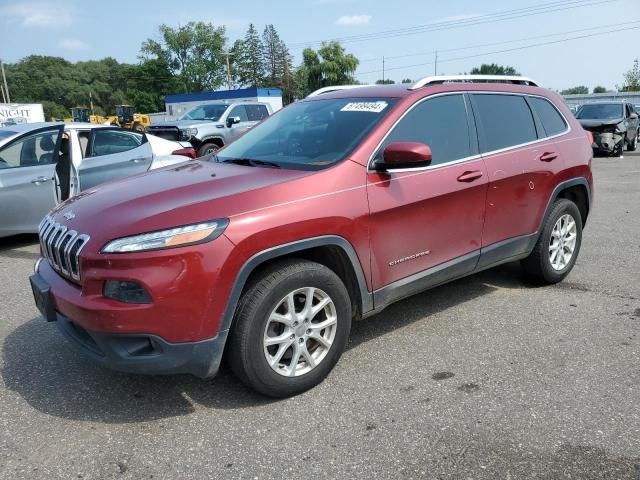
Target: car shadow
(57, 380)
(11, 247)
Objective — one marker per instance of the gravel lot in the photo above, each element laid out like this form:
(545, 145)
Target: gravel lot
(487, 377)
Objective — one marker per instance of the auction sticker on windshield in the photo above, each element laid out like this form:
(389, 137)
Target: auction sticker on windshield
(373, 107)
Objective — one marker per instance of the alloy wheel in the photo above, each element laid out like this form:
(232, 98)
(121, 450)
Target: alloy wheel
(300, 331)
(563, 242)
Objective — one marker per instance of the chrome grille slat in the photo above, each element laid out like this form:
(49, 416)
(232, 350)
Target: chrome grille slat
(61, 247)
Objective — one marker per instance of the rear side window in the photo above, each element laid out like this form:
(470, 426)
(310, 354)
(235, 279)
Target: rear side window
(505, 121)
(439, 122)
(552, 121)
(107, 142)
(255, 113)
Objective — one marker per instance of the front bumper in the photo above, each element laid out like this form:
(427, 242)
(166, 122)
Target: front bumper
(606, 142)
(146, 353)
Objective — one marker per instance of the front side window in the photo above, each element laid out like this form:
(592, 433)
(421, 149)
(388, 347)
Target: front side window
(504, 121)
(240, 112)
(255, 113)
(601, 111)
(308, 135)
(30, 150)
(441, 123)
(107, 142)
(551, 120)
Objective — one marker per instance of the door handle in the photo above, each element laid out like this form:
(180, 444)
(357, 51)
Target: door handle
(40, 180)
(137, 159)
(470, 176)
(548, 156)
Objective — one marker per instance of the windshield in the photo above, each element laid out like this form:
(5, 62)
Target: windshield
(205, 112)
(309, 135)
(601, 111)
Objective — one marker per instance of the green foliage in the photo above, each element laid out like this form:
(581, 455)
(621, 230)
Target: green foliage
(193, 52)
(386, 81)
(330, 65)
(494, 69)
(599, 90)
(631, 79)
(248, 60)
(406, 80)
(579, 90)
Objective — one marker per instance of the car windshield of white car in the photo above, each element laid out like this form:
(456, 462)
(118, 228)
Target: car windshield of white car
(308, 135)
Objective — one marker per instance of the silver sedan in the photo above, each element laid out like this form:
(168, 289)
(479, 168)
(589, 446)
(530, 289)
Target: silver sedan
(43, 164)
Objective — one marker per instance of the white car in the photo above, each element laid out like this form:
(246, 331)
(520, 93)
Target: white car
(43, 164)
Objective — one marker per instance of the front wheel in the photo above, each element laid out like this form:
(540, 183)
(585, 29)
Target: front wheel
(291, 326)
(631, 146)
(556, 250)
(207, 149)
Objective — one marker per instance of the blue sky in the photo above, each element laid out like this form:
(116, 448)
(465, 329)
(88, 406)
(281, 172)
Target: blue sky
(90, 29)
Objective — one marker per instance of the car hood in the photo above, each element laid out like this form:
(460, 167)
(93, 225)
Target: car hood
(589, 124)
(183, 123)
(188, 193)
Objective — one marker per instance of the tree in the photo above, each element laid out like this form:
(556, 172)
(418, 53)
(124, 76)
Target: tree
(494, 69)
(631, 79)
(599, 90)
(248, 59)
(407, 80)
(579, 90)
(194, 53)
(330, 65)
(386, 81)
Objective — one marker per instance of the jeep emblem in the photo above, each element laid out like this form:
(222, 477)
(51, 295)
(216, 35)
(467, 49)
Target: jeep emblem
(69, 215)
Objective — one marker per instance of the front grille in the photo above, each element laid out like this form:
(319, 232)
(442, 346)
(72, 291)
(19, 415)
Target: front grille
(62, 247)
(168, 133)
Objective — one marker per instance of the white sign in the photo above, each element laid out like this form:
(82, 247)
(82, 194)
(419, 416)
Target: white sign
(21, 112)
(374, 107)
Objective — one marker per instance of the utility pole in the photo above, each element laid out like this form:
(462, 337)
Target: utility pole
(4, 98)
(228, 72)
(435, 64)
(6, 87)
(383, 69)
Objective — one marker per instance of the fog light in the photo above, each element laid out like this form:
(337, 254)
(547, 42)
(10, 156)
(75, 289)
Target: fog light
(126, 291)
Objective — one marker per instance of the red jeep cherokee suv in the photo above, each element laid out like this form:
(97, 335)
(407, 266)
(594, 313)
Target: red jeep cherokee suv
(326, 212)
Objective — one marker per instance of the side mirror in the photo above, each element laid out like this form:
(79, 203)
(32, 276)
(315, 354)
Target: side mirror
(633, 115)
(232, 121)
(404, 155)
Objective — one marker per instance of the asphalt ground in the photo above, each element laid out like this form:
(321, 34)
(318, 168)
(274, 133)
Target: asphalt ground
(487, 377)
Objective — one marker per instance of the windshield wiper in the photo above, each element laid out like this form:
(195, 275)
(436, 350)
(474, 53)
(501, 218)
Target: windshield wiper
(250, 162)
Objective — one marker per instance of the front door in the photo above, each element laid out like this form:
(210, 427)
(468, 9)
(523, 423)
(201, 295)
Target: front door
(433, 216)
(237, 129)
(27, 189)
(114, 153)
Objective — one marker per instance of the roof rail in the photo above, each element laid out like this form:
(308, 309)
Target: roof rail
(440, 79)
(334, 88)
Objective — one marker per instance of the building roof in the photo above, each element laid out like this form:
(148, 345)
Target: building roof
(224, 94)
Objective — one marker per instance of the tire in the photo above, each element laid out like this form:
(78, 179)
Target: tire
(631, 147)
(268, 298)
(619, 148)
(538, 265)
(207, 149)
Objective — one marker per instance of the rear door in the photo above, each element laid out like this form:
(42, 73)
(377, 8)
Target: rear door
(426, 217)
(114, 153)
(522, 161)
(27, 189)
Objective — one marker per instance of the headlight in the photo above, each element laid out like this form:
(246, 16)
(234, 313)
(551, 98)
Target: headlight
(189, 132)
(173, 237)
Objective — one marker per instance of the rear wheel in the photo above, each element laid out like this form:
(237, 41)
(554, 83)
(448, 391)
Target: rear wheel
(558, 245)
(291, 327)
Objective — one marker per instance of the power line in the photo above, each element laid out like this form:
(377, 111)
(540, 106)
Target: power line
(504, 42)
(471, 21)
(524, 47)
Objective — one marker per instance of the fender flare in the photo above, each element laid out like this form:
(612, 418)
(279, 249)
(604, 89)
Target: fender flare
(208, 139)
(281, 250)
(559, 188)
